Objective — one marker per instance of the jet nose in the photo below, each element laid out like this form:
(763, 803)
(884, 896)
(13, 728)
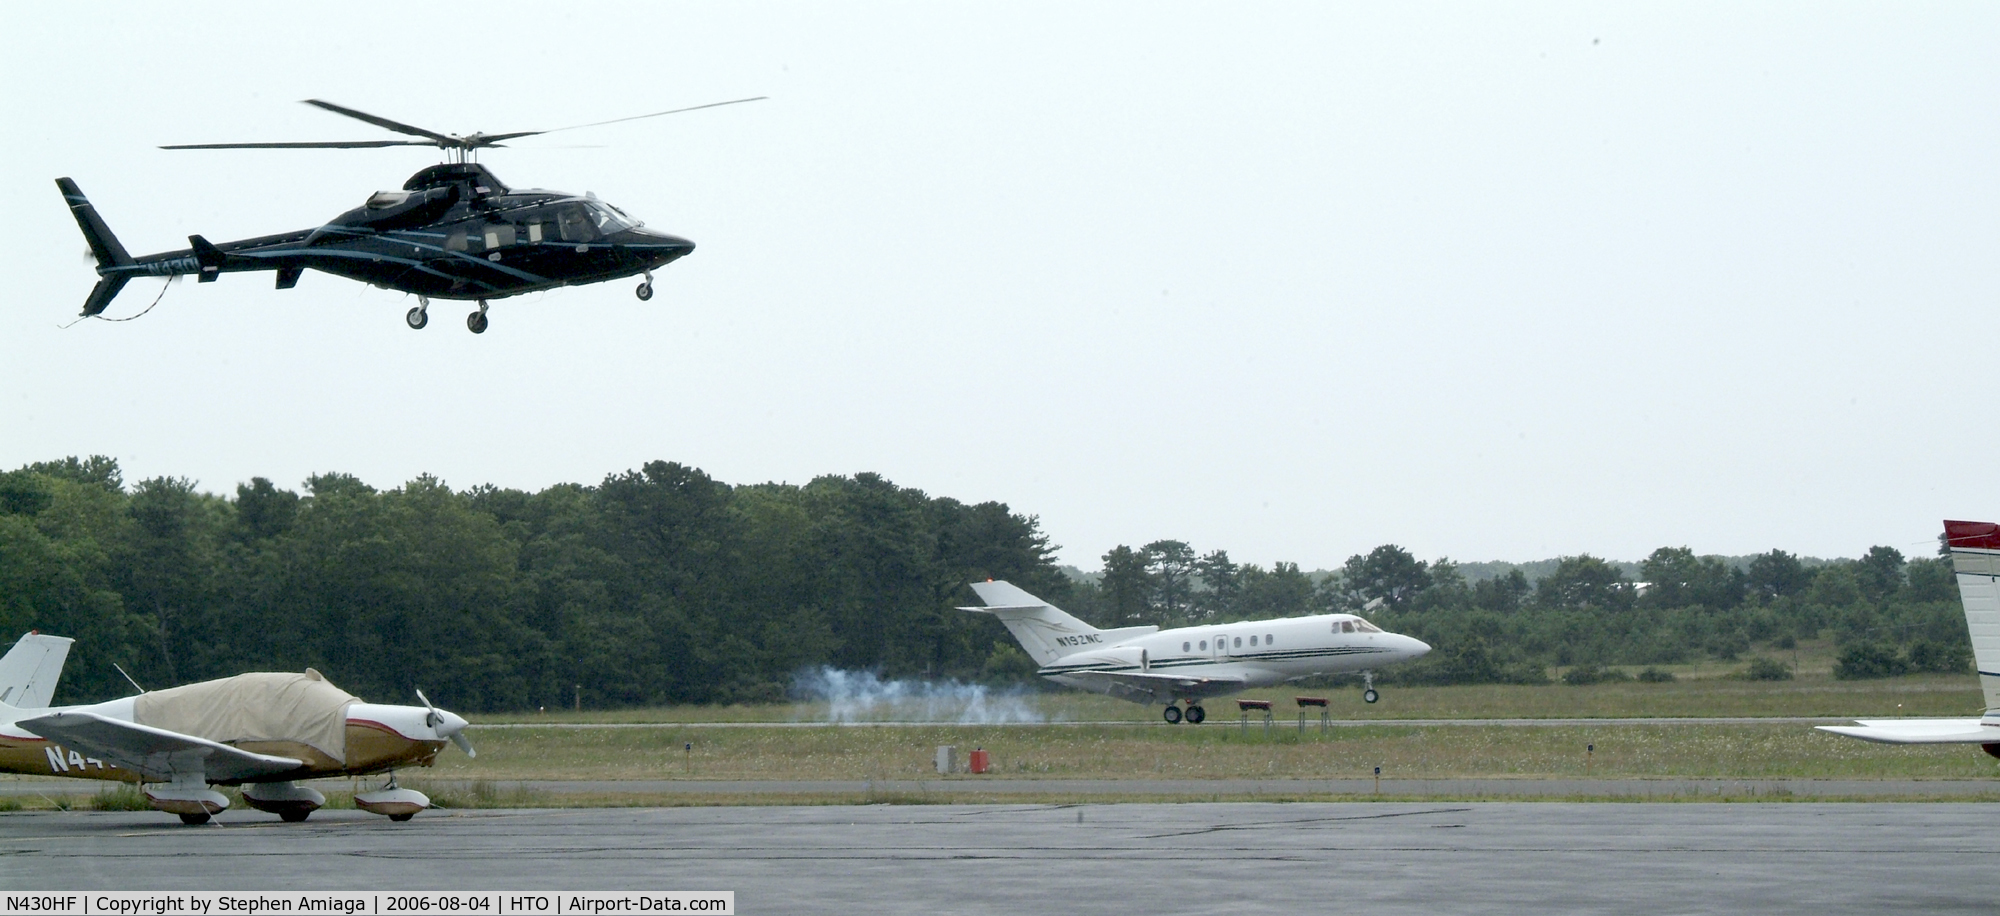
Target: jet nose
(1416, 648)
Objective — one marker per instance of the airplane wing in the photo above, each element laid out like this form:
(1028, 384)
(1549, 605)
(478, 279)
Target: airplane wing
(155, 753)
(1146, 684)
(1919, 731)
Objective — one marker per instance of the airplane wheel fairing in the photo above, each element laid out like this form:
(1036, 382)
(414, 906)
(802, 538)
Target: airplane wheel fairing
(194, 820)
(476, 322)
(1195, 715)
(1172, 715)
(1369, 695)
(644, 292)
(417, 318)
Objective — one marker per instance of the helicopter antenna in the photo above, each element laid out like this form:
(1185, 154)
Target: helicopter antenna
(461, 148)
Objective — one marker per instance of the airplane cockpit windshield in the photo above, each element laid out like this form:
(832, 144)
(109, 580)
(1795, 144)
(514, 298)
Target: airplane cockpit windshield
(1355, 625)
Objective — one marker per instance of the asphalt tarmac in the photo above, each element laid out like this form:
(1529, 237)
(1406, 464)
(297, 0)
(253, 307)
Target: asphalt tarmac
(1387, 857)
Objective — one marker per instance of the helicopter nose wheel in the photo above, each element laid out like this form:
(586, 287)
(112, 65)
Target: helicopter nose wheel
(419, 316)
(476, 322)
(645, 290)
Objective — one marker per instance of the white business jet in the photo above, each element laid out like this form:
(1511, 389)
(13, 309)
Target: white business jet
(1187, 664)
(260, 731)
(1975, 556)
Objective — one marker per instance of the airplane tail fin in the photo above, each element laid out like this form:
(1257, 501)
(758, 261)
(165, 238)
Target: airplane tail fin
(29, 671)
(1975, 557)
(1042, 628)
(103, 245)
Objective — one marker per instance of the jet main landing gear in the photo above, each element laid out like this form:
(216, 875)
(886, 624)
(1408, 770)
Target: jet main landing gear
(1368, 694)
(1195, 714)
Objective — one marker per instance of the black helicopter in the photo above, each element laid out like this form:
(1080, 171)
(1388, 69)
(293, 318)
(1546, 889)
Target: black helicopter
(453, 232)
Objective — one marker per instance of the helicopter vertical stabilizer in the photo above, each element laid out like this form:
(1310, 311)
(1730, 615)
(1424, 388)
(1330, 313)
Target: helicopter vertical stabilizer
(103, 245)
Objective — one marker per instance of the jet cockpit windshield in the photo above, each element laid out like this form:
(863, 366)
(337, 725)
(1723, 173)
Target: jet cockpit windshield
(1355, 625)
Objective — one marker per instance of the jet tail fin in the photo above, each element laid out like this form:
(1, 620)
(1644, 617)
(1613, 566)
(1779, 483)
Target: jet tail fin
(29, 671)
(1043, 629)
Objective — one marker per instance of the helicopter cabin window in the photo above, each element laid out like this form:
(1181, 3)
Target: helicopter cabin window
(534, 232)
(499, 235)
(575, 225)
(456, 240)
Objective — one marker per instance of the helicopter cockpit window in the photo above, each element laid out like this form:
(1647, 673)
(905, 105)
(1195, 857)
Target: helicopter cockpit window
(575, 225)
(607, 217)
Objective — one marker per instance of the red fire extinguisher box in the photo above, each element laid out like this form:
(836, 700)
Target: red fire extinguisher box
(978, 762)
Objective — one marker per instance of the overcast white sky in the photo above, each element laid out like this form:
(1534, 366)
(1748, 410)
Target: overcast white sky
(1487, 281)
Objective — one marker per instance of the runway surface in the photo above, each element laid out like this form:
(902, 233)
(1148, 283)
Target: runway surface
(946, 789)
(1014, 859)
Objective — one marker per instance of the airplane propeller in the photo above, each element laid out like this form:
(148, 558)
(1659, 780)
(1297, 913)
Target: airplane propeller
(436, 718)
(459, 145)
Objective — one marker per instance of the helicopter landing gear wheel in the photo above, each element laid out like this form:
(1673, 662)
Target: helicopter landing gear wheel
(1172, 715)
(419, 316)
(1195, 715)
(476, 322)
(645, 290)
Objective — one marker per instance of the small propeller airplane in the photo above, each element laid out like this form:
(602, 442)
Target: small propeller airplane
(1975, 559)
(453, 232)
(1184, 665)
(262, 731)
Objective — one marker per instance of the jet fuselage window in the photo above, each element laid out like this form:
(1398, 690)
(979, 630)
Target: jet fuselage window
(1204, 645)
(1239, 642)
(1186, 648)
(1269, 639)
(1253, 642)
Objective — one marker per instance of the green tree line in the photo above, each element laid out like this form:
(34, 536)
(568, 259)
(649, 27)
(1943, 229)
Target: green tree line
(659, 585)
(662, 585)
(1887, 614)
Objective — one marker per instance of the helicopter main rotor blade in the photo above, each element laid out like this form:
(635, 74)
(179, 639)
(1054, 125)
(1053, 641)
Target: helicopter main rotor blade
(331, 144)
(397, 126)
(633, 118)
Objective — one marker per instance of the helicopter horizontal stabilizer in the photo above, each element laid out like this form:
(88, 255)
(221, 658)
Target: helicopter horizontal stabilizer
(209, 256)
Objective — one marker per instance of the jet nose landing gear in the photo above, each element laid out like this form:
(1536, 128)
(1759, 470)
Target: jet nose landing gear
(476, 322)
(1368, 694)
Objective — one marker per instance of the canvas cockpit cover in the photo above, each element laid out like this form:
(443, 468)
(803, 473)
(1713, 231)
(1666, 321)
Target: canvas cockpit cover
(264, 706)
